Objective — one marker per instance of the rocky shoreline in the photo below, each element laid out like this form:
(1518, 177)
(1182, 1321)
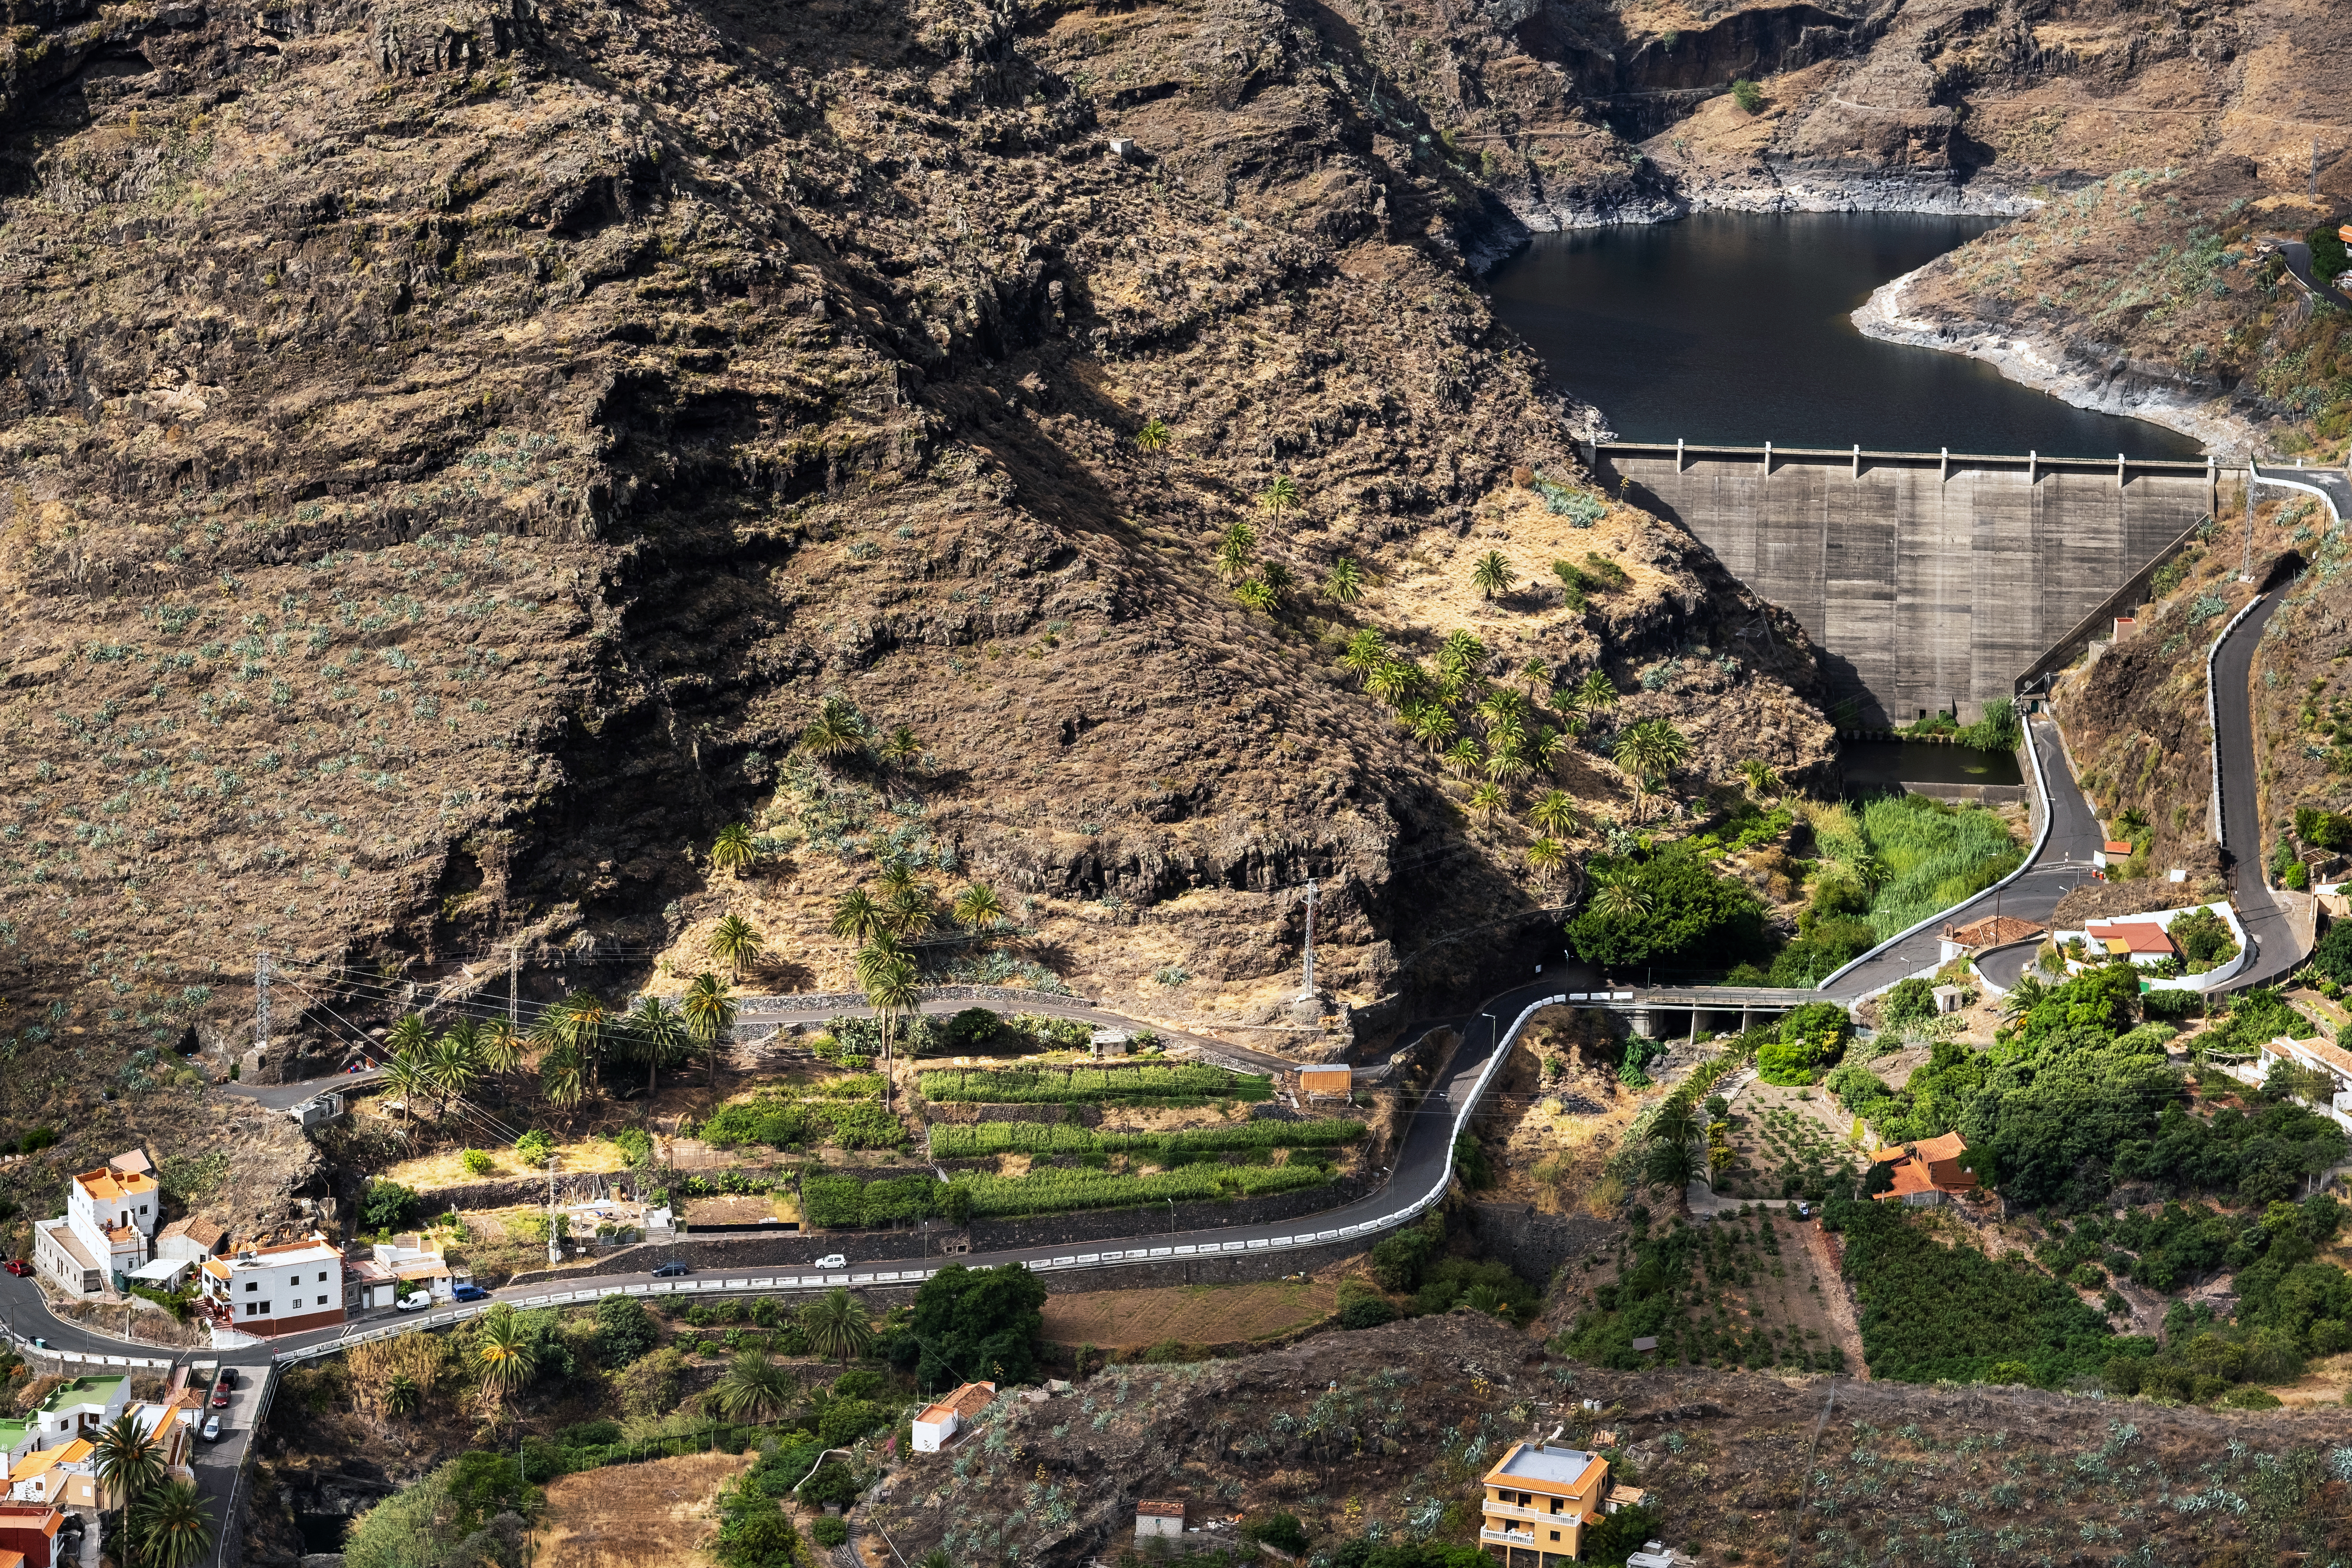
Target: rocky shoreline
(2087, 377)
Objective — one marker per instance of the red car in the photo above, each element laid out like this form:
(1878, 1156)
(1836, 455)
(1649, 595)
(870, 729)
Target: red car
(17, 1266)
(220, 1397)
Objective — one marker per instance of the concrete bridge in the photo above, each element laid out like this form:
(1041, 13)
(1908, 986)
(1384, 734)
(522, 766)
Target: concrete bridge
(1930, 580)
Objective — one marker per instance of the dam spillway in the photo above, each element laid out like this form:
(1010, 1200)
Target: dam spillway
(1929, 580)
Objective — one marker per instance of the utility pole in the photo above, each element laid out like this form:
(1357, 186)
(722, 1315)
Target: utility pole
(261, 998)
(554, 1244)
(1306, 992)
(514, 985)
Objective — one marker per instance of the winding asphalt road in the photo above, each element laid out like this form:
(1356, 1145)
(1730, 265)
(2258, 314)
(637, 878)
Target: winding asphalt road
(2064, 865)
(2297, 256)
(2276, 950)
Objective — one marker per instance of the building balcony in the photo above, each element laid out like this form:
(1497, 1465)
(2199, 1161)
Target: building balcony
(1506, 1537)
(1571, 1513)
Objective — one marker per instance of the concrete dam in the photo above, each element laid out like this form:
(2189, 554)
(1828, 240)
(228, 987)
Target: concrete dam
(1929, 580)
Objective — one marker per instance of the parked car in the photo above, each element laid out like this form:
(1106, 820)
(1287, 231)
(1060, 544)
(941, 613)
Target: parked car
(415, 1303)
(671, 1270)
(1804, 1211)
(220, 1396)
(212, 1428)
(471, 1293)
(19, 1268)
(833, 1261)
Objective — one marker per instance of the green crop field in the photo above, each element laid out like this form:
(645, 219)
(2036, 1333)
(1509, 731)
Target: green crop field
(1050, 1085)
(844, 1203)
(1045, 1138)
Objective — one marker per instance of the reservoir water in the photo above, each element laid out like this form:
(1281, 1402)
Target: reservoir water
(1883, 764)
(1731, 328)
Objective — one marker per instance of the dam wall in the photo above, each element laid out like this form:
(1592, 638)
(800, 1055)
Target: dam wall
(1929, 580)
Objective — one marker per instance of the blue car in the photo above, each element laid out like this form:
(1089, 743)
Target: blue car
(471, 1293)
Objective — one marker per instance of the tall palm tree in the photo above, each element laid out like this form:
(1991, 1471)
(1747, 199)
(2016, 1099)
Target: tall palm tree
(1538, 675)
(837, 1326)
(1545, 858)
(504, 1356)
(405, 1075)
(1648, 751)
(709, 1015)
(1153, 437)
(1237, 550)
(755, 1388)
(1550, 746)
(1364, 653)
(1672, 1167)
(1493, 574)
(498, 1048)
(581, 1020)
(408, 1033)
(129, 1461)
(733, 849)
(2024, 996)
(563, 1075)
(1554, 812)
(1280, 495)
(1344, 583)
(977, 906)
(172, 1527)
(855, 915)
(1597, 692)
(449, 1068)
(902, 747)
(1502, 707)
(735, 944)
(1505, 763)
(836, 730)
(909, 910)
(893, 989)
(1676, 1123)
(1465, 757)
(884, 949)
(657, 1036)
(1487, 800)
(1617, 894)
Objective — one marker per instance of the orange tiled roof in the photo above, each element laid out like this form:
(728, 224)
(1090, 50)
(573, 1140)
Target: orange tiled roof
(2138, 936)
(111, 1186)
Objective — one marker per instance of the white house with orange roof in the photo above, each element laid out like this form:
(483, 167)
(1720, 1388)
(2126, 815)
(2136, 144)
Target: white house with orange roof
(63, 1477)
(937, 1424)
(288, 1288)
(109, 1219)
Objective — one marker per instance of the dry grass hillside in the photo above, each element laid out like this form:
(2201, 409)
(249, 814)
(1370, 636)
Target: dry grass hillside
(448, 458)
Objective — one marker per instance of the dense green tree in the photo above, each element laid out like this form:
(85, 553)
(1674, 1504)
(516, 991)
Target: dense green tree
(1686, 915)
(974, 1324)
(625, 1331)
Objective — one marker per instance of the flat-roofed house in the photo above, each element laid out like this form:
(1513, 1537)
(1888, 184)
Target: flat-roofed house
(1539, 1501)
(78, 1409)
(288, 1288)
(937, 1424)
(29, 1531)
(110, 1215)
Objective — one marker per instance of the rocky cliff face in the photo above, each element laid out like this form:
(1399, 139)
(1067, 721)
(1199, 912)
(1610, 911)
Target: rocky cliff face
(449, 455)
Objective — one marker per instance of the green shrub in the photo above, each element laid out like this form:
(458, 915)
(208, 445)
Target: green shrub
(477, 1163)
(386, 1206)
(1685, 911)
(1280, 1531)
(1910, 1001)
(1362, 1309)
(533, 1148)
(828, 1530)
(1747, 95)
(1049, 1085)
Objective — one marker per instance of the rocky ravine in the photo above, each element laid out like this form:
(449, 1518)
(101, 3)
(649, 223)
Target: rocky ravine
(449, 456)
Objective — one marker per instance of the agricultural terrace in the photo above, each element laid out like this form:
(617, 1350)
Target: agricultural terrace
(1748, 1291)
(1144, 1084)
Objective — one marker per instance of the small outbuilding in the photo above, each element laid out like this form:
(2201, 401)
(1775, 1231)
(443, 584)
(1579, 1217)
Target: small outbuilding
(1158, 1517)
(937, 1424)
(1338, 1082)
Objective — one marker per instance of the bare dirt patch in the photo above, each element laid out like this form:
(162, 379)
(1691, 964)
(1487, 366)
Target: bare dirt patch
(1189, 1314)
(659, 1512)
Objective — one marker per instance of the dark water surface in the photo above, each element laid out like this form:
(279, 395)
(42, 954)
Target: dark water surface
(1731, 328)
(1872, 764)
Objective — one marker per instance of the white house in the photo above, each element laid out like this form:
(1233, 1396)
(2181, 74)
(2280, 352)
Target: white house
(284, 1289)
(193, 1239)
(67, 1475)
(110, 1216)
(78, 1409)
(1153, 1517)
(2321, 1056)
(937, 1424)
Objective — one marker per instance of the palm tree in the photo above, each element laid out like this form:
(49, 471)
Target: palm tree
(1431, 725)
(977, 906)
(1487, 800)
(658, 1031)
(1152, 437)
(1491, 574)
(408, 1033)
(1504, 763)
(173, 1529)
(909, 910)
(1366, 652)
(855, 915)
(1236, 551)
(1761, 779)
(1618, 895)
(733, 849)
(129, 1462)
(1256, 594)
(884, 949)
(1545, 858)
(1554, 812)
(755, 1389)
(499, 1048)
(1551, 745)
(1648, 751)
(503, 1352)
(1676, 1123)
(448, 1066)
(837, 1326)
(563, 1075)
(709, 1015)
(1281, 493)
(1672, 1167)
(1503, 707)
(893, 989)
(405, 1074)
(1344, 583)
(735, 944)
(836, 730)
(1464, 758)
(1598, 693)
(1537, 674)
(1461, 656)
(581, 1020)
(901, 748)
(1278, 581)
(2024, 996)
(1393, 681)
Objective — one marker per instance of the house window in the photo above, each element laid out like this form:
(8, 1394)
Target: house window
(322, 1301)
(1555, 1535)
(251, 1285)
(322, 1277)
